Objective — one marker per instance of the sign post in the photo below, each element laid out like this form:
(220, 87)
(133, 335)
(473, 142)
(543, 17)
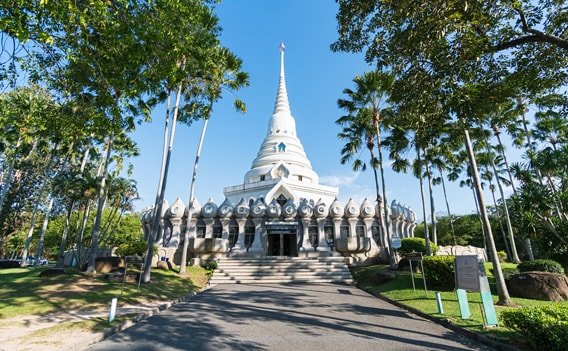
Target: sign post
(416, 256)
(470, 276)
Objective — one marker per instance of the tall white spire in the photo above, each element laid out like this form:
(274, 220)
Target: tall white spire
(281, 143)
(282, 105)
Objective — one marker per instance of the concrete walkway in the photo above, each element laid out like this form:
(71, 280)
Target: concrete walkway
(286, 317)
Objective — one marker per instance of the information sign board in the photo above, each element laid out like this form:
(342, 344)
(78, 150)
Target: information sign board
(467, 272)
(395, 241)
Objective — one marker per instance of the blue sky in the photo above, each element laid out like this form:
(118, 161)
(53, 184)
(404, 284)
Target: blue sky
(315, 77)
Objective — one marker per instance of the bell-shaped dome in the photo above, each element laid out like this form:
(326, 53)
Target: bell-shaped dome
(177, 209)
(209, 209)
(242, 209)
(351, 209)
(273, 210)
(305, 210)
(336, 209)
(320, 209)
(367, 209)
(258, 208)
(195, 208)
(289, 208)
(226, 209)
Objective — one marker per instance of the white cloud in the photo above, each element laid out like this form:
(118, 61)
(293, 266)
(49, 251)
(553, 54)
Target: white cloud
(335, 180)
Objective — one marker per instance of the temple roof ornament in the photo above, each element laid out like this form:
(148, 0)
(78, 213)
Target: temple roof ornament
(351, 209)
(242, 209)
(336, 209)
(226, 209)
(209, 209)
(195, 208)
(367, 209)
(274, 209)
(289, 208)
(321, 209)
(177, 209)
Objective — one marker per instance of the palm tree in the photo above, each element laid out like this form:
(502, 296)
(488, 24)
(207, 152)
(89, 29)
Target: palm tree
(228, 76)
(370, 100)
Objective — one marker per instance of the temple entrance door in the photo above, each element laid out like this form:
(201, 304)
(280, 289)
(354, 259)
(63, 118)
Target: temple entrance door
(282, 241)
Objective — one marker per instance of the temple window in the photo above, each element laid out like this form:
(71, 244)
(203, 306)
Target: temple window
(329, 234)
(300, 178)
(200, 229)
(313, 235)
(262, 177)
(281, 199)
(360, 230)
(249, 235)
(376, 231)
(217, 230)
(344, 231)
(233, 234)
(281, 147)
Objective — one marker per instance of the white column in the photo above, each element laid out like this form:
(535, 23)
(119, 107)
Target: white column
(306, 245)
(322, 242)
(257, 246)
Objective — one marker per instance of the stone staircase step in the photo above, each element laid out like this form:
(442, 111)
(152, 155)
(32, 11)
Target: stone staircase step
(267, 270)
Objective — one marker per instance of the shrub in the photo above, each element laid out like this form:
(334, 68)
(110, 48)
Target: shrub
(415, 244)
(210, 267)
(502, 256)
(439, 272)
(130, 248)
(545, 328)
(541, 266)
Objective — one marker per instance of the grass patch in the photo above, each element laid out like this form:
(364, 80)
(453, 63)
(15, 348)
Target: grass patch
(400, 289)
(23, 292)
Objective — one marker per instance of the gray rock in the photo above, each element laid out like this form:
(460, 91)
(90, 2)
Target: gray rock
(539, 286)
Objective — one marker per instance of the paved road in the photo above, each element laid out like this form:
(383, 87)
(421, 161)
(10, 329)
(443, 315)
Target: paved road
(286, 317)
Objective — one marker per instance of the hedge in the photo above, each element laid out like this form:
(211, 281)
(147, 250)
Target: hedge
(415, 244)
(439, 272)
(544, 328)
(541, 266)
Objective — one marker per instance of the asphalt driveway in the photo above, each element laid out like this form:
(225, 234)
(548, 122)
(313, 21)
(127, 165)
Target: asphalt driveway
(286, 317)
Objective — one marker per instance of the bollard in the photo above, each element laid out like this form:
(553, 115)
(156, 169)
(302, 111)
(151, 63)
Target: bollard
(112, 310)
(439, 303)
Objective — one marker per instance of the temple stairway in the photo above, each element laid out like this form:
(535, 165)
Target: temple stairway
(270, 270)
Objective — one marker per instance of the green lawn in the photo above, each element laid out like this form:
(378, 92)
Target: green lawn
(400, 289)
(23, 292)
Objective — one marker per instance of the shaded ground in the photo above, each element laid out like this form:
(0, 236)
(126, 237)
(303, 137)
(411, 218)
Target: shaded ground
(286, 317)
(66, 311)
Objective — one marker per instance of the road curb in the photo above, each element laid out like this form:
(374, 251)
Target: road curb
(100, 336)
(497, 345)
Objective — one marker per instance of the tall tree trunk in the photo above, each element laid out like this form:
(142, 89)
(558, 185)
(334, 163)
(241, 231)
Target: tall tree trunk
(431, 193)
(9, 175)
(504, 298)
(64, 233)
(451, 220)
(507, 216)
(392, 257)
(39, 251)
(100, 206)
(81, 233)
(182, 269)
(421, 180)
(36, 206)
(158, 207)
(499, 215)
(480, 219)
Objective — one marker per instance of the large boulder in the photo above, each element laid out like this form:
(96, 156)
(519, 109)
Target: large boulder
(539, 286)
(107, 264)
